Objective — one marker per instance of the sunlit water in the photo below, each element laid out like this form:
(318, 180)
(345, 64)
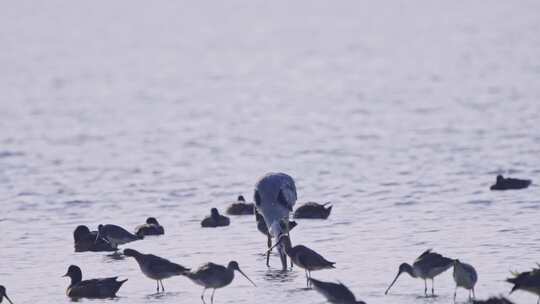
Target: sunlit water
(400, 113)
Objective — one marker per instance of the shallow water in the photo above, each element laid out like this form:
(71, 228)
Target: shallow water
(399, 113)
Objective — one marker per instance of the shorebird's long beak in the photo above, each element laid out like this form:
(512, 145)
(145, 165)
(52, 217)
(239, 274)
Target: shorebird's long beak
(241, 272)
(5, 295)
(275, 245)
(392, 284)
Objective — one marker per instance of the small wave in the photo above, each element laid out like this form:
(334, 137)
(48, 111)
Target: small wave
(480, 202)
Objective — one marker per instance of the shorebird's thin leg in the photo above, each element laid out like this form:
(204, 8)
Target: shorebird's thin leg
(157, 283)
(162, 288)
(473, 295)
(433, 286)
(202, 295)
(212, 297)
(425, 287)
(455, 293)
(538, 302)
(307, 279)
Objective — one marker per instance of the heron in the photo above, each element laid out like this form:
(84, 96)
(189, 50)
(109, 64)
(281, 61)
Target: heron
(95, 288)
(116, 235)
(156, 268)
(465, 276)
(527, 281)
(335, 293)
(3, 294)
(152, 227)
(427, 266)
(275, 196)
(215, 276)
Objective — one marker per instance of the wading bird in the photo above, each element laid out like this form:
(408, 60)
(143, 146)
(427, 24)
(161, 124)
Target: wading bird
(427, 266)
(527, 281)
(214, 276)
(156, 268)
(465, 276)
(335, 293)
(261, 226)
(275, 196)
(116, 235)
(95, 288)
(3, 294)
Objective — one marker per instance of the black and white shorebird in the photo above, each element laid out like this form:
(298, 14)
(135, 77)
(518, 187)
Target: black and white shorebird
(95, 288)
(312, 210)
(510, 183)
(86, 240)
(214, 276)
(215, 220)
(240, 207)
(335, 293)
(116, 235)
(465, 276)
(426, 267)
(156, 268)
(527, 281)
(275, 196)
(304, 257)
(152, 227)
(3, 294)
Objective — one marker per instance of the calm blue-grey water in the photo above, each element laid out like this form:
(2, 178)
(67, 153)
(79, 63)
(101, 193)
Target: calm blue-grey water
(401, 113)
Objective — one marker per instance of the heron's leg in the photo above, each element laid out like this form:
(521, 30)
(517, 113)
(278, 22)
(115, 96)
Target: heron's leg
(212, 298)
(455, 293)
(433, 286)
(425, 287)
(291, 264)
(473, 294)
(162, 288)
(307, 279)
(202, 295)
(269, 241)
(283, 257)
(157, 282)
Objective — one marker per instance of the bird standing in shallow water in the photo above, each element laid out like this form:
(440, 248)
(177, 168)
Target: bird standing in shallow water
(152, 227)
(465, 276)
(275, 196)
(215, 276)
(240, 207)
(304, 257)
(335, 293)
(95, 288)
(86, 240)
(261, 226)
(427, 266)
(215, 220)
(528, 281)
(155, 267)
(116, 235)
(510, 183)
(312, 210)
(3, 294)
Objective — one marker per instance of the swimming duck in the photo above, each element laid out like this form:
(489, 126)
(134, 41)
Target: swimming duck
(312, 210)
(335, 293)
(86, 240)
(95, 288)
(240, 207)
(3, 294)
(156, 268)
(152, 227)
(116, 235)
(510, 183)
(527, 281)
(215, 219)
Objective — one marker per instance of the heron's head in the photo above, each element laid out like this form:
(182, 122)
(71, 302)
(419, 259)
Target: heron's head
(80, 232)
(152, 221)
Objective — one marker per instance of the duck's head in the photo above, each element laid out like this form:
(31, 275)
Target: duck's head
(80, 232)
(152, 221)
(233, 265)
(75, 273)
(500, 179)
(3, 294)
(214, 213)
(241, 198)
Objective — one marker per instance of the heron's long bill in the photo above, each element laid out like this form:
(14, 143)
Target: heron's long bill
(5, 296)
(245, 276)
(392, 284)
